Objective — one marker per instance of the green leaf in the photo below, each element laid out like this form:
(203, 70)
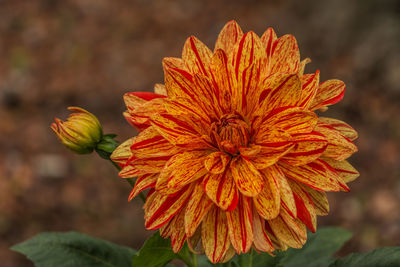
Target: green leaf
(155, 252)
(73, 249)
(319, 248)
(382, 257)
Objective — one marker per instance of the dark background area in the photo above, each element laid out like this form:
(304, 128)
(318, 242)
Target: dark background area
(88, 53)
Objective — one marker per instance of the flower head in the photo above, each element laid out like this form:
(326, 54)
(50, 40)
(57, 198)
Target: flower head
(80, 133)
(232, 149)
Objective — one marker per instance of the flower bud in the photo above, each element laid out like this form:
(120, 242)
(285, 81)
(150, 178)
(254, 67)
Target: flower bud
(80, 132)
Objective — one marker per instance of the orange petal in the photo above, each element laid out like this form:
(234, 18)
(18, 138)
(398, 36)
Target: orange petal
(285, 90)
(160, 89)
(316, 174)
(339, 147)
(347, 172)
(345, 129)
(309, 88)
(122, 153)
(287, 199)
(146, 165)
(197, 56)
(247, 57)
(178, 235)
(267, 202)
(185, 168)
(247, 178)
(197, 207)
(303, 64)
(223, 75)
(293, 120)
(285, 55)
(305, 206)
(216, 162)
(329, 93)
(163, 207)
(319, 199)
(290, 231)
(149, 143)
(241, 226)
(221, 189)
(142, 183)
(214, 234)
(228, 37)
(267, 39)
(176, 130)
(308, 148)
(261, 240)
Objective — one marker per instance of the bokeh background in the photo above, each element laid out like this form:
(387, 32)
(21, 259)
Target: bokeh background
(59, 53)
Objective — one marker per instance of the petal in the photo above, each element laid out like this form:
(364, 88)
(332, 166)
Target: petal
(228, 37)
(221, 189)
(267, 39)
(178, 235)
(339, 147)
(285, 55)
(309, 88)
(267, 202)
(160, 89)
(198, 206)
(247, 67)
(290, 231)
(214, 235)
(176, 130)
(122, 153)
(216, 162)
(185, 168)
(247, 178)
(345, 129)
(146, 165)
(347, 172)
(149, 143)
(197, 56)
(303, 64)
(163, 207)
(287, 199)
(223, 76)
(294, 121)
(142, 183)
(308, 148)
(261, 240)
(305, 207)
(319, 199)
(329, 93)
(240, 224)
(315, 174)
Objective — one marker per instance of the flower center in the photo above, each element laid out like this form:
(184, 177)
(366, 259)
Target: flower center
(232, 132)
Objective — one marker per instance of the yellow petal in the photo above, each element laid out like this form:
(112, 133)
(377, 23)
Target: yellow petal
(222, 190)
(339, 147)
(308, 147)
(345, 129)
(228, 37)
(197, 56)
(291, 231)
(214, 235)
(267, 202)
(347, 172)
(285, 55)
(240, 225)
(319, 199)
(248, 179)
(142, 183)
(329, 93)
(309, 88)
(197, 207)
(261, 240)
(216, 162)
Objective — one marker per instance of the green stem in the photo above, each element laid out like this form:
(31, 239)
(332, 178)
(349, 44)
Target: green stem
(194, 256)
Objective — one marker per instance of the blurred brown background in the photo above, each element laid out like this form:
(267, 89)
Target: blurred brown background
(88, 53)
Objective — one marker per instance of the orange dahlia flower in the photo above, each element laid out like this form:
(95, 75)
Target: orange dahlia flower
(231, 147)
